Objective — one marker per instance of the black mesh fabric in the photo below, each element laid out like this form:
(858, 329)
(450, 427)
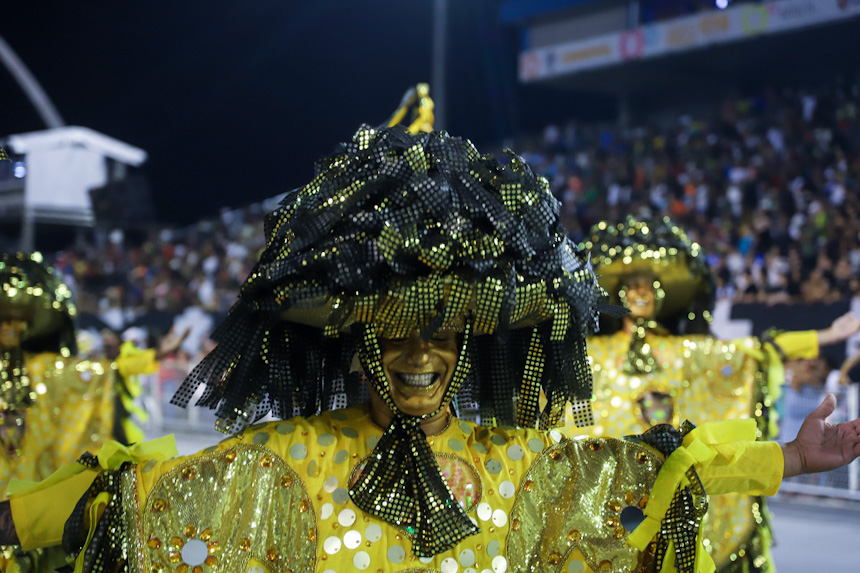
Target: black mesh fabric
(105, 551)
(405, 232)
(680, 526)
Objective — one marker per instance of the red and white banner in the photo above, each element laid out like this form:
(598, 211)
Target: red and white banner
(700, 30)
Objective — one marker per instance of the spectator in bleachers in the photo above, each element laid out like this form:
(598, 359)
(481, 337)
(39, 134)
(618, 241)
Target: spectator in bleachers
(782, 167)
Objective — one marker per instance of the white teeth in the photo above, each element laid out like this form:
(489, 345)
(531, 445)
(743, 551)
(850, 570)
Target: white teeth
(417, 380)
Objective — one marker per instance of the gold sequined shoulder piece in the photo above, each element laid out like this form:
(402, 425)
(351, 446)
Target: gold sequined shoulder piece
(571, 500)
(220, 510)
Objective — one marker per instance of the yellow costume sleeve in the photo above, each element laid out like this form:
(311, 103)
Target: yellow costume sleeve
(726, 458)
(800, 344)
(40, 514)
(133, 361)
(738, 466)
(40, 510)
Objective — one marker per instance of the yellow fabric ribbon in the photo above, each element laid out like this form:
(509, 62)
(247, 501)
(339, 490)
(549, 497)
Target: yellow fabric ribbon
(695, 450)
(111, 456)
(114, 454)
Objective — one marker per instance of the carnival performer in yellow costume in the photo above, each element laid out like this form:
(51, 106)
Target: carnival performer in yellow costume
(53, 405)
(448, 274)
(660, 363)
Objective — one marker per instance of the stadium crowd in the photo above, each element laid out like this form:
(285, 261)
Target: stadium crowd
(768, 185)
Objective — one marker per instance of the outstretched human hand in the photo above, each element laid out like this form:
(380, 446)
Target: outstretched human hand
(821, 446)
(839, 330)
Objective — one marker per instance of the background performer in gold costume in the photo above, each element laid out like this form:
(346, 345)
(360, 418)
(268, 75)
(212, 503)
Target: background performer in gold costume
(53, 405)
(660, 364)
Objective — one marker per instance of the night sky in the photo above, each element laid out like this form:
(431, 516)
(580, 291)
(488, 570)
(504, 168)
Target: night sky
(233, 101)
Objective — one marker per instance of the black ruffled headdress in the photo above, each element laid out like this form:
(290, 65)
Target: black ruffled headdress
(401, 232)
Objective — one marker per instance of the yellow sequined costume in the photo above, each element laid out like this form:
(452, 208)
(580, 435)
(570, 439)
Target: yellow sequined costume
(276, 499)
(708, 380)
(53, 404)
(74, 412)
(643, 375)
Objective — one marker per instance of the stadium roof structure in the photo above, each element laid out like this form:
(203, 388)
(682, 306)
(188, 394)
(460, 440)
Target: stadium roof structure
(77, 137)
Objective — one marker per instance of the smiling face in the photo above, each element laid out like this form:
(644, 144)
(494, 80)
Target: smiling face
(640, 297)
(418, 372)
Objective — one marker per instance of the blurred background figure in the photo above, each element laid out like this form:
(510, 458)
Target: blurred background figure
(661, 364)
(54, 404)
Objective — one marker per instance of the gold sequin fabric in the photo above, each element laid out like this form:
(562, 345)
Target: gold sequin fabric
(267, 516)
(601, 479)
(403, 232)
(74, 412)
(698, 378)
(32, 294)
(277, 498)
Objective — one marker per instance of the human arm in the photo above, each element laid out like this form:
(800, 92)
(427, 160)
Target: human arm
(171, 342)
(36, 513)
(8, 534)
(728, 459)
(840, 329)
(800, 344)
(847, 366)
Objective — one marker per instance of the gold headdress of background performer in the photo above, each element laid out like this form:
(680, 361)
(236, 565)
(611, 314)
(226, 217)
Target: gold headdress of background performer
(660, 251)
(659, 248)
(38, 304)
(399, 232)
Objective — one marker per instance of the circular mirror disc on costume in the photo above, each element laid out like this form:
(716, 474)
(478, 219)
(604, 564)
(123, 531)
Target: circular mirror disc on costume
(332, 545)
(361, 560)
(194, 552)
(352, 539)
(449, 565)
(373, 533)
